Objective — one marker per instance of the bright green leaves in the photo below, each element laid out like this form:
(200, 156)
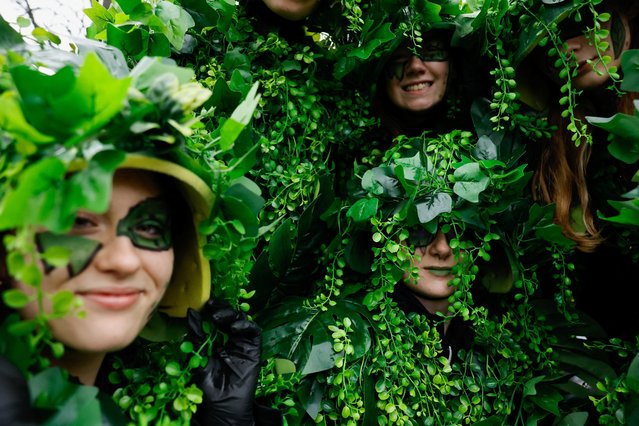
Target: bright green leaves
(139, 28)
(42, 195)
(64, 106)
(239, 119)
(172, 21)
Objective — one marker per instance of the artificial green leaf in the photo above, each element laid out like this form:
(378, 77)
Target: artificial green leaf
(281, 248)
(381, 181)
(8, 36)
(131, 40)
(548, 399)
(630, 66)
(35, 198)
(301, 334)
(177, 22)
(628, 212)
(624, 130)
(99, 15)
(15, 299)
(239, 119)
(13, 121)
(633, 374)
(530, 386)
(149, 70)
(70, 403)
(470, 181)
(574, 419)
(432, 206)
(363, 209)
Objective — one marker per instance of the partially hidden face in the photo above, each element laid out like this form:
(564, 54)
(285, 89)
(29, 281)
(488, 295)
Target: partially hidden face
(121, 264)
(579, 41)
(434, 261)
(416, 81)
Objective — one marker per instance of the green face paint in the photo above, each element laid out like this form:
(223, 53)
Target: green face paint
(148, 225)
(82, 250)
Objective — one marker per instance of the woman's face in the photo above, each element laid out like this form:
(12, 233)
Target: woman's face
(591, 72)
(434, 263)
(415, 84)
(128, 274)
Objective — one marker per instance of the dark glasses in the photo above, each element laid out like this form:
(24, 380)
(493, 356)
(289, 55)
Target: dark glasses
(434, 50)
(420, 237)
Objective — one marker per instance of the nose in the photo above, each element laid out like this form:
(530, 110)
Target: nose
(414, 66)
(118, 256)
(575, 43)
(439, 247)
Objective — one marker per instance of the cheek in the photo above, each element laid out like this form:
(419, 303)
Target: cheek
(162, 268)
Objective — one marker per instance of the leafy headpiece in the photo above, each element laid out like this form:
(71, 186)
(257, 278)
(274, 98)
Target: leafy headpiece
(65, 131)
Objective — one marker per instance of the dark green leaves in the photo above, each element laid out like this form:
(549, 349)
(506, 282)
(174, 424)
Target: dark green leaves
(302, 334)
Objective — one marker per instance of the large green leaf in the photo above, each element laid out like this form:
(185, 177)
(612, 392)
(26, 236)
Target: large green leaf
(470, 181)
(301, 334)
(628, 212)
(624, 131)
(432, 206)
(363, 209)
(176, 22)
(630, 66)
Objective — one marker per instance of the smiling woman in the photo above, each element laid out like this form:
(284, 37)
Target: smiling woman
(102, 232)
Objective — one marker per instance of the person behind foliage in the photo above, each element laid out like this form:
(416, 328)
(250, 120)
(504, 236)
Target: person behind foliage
(421, 86)
(133, 246)
(580, 179)
(562, 164)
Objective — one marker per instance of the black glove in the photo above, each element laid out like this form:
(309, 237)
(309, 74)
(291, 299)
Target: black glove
(15, 403)
(229, 379)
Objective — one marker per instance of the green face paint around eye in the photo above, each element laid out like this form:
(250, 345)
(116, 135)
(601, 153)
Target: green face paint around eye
(81, 250)
(148, 225)
(434, 51)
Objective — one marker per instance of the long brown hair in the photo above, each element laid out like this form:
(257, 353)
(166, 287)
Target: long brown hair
(561, 170)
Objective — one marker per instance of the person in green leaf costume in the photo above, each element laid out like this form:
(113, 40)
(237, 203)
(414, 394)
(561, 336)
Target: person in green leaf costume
(581, 68)
(101, 212)
(571, 58)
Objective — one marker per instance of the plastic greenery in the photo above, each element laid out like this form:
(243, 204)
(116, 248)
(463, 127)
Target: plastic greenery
(52, 118)
(337, 350)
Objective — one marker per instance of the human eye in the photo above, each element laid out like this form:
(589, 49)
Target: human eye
(83, 223)
(152, 229)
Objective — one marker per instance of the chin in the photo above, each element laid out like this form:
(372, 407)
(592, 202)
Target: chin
(86, 335)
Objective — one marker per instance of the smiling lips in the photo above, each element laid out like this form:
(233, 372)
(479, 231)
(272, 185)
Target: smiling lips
(418, 86)
(115, 300)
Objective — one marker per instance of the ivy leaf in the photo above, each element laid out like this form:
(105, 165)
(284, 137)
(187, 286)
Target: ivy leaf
(623, 130)
(630, 66)
(239, 119)
(363, 209)
(70, 403)
(301, 334)
(548, 399)
(633, 374)
(176, 20)
(628, 212)
(433, 206)
(381, 181)
(470, 181)
(579, 418)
